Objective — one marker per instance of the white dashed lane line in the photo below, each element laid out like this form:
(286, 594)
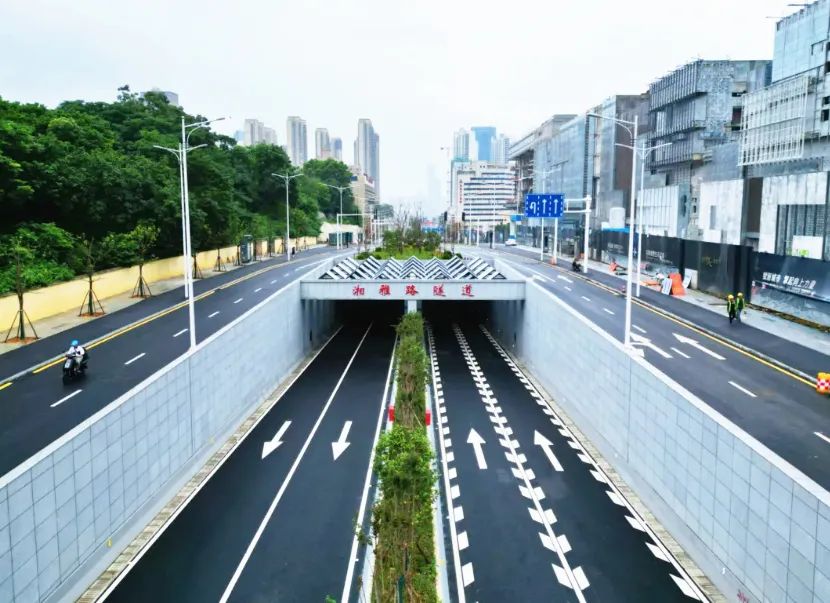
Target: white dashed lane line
(568, 288)
(608, 311)
(679, 353)
(131, 360)
(640, 329)
(257, 290)
(822, 436)
(587, 299)
(274, 281)
(182, 332)
(743, 389)
(214, 314)
(237, 301)
(64, 399)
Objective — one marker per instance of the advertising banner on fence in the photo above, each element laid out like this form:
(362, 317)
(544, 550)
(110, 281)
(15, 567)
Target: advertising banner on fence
(800, 276)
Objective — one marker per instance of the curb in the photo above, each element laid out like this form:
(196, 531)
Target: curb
(136, 323)
(710, 333)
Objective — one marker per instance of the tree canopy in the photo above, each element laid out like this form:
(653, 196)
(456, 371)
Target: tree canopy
(92, 170)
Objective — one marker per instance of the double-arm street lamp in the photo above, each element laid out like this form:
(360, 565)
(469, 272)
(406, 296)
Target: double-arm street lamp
(341, 189)
(187, 250)
(634, 140)
(287, 178)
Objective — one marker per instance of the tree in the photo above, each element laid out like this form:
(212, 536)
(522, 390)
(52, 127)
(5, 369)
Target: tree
(92, 258)
(144, 237)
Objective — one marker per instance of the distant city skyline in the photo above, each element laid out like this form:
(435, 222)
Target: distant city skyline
(296, 140)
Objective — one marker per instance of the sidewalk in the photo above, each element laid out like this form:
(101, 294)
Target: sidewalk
(70, 319)
(769, 323)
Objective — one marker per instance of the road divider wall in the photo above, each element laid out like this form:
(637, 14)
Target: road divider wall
(76, 503)
(756, 525)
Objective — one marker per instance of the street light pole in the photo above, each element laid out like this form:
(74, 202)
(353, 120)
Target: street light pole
(632, 216)
(287, 178)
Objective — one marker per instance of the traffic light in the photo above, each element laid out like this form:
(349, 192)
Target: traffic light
(445, 217)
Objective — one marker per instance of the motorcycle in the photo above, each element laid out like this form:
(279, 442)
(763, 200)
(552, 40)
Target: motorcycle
(73, 368)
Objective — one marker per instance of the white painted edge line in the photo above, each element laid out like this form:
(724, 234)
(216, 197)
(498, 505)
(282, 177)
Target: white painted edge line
(364, 498)
(456, 513)
(789, 469)
(182, 332)
(271, 509)
(680, 353)
(131, 360)
(65, 398)
(614, 493)
(239, 300)
(743, 389)
(115, 404)
(214, 314)
(208, 477)
(822, 436)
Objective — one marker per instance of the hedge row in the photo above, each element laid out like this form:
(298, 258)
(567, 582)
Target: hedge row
(402, 517)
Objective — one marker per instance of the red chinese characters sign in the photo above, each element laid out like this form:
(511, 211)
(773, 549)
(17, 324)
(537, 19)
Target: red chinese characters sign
(411, 290)
(358, 291)
(384, 290)
(438, 291)
(467, 291)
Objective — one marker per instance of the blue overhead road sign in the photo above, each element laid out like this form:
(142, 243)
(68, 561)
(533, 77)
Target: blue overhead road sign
(549, 205)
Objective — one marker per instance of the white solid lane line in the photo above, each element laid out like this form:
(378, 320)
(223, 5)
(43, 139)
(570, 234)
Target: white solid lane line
(743, 389)
(818, 433)
(640, 329)
(62, 400)
(609, 311)
(257, 290)
(679, 353)
(364, 498)
(131, 360)
(183, 331)
(214, 314)
(249, 551)
(237, 301)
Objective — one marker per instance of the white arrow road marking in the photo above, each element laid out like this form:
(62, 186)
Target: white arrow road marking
(214, 314)
(547, 447)
(646, 343)
(477, 441)
(131, 360)
(695, 344)
(818, 433)
(62, 400)
(743, 389)
(274, 443)
(339, 447)
(183, 331)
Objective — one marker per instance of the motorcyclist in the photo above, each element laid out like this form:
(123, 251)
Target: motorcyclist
(78, 353)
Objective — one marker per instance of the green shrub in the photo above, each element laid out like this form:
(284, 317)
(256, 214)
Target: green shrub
(363, 255)
(447, 255)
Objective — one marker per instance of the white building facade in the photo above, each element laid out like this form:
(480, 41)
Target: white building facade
(296, 140)
(322, 143)
(483, 192)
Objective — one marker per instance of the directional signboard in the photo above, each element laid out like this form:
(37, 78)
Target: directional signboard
(549, 205)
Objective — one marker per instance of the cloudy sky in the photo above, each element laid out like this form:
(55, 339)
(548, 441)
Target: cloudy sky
(418, 70)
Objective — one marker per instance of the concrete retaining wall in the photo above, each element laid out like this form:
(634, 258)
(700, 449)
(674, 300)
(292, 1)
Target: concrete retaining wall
(757, 526)
(59, 509)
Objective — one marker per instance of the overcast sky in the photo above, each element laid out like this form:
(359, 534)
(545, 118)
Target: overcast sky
(418, 69)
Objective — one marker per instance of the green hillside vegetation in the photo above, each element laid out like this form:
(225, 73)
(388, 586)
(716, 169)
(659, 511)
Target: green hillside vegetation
(89, 170)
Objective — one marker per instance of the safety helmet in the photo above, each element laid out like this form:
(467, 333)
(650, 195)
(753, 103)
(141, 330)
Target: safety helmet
(74, 342)
(740, 294)
(730, 296)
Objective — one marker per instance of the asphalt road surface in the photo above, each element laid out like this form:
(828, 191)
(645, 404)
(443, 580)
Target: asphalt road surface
(37, 408)
(778, 408)
(277, 524)
(533, 517)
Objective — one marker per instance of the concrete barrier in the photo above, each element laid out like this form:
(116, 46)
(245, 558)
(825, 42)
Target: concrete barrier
(77, 502)
(756, 525)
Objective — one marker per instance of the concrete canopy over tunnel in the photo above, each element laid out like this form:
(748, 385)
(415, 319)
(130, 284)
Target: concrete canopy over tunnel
(455, 279)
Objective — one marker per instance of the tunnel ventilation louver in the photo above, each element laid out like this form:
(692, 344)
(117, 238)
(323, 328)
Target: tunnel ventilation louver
(413, 269)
